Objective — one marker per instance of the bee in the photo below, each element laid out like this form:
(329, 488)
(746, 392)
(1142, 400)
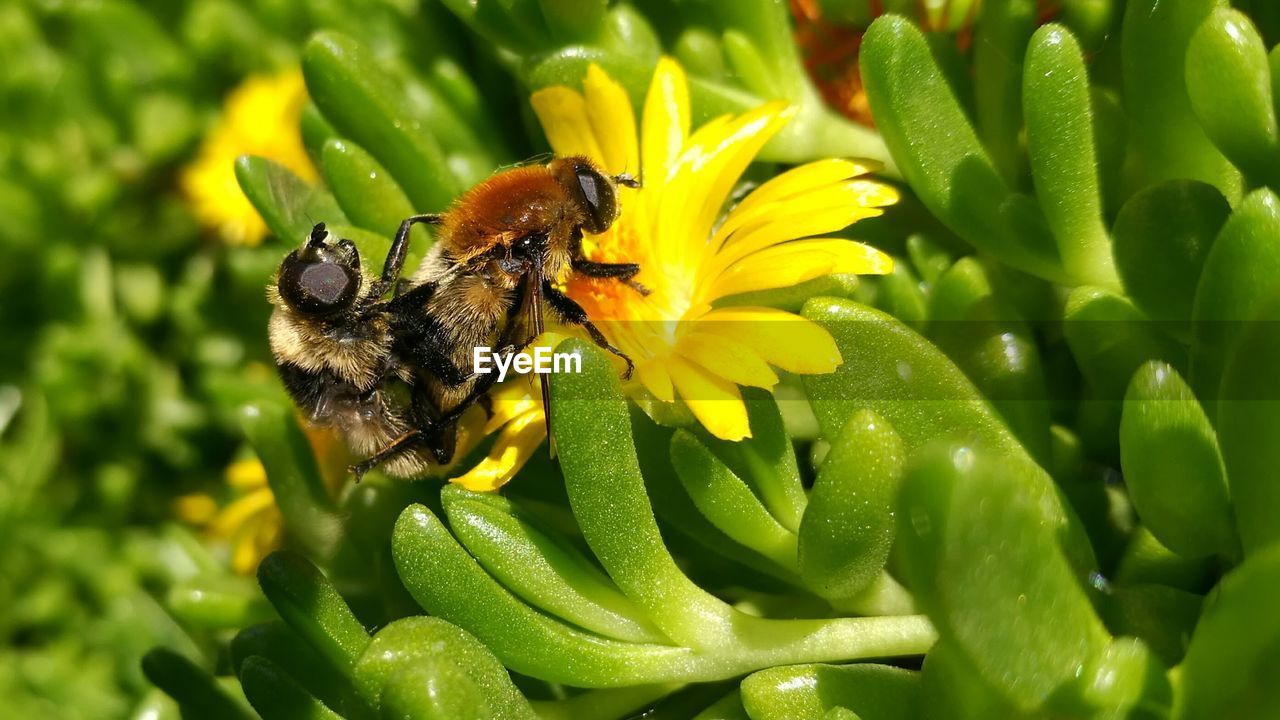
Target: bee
(333, 335)
(501, 247)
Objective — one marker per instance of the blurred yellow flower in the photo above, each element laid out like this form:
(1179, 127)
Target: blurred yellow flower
(692, 254)
(260, 117)
(251, 525)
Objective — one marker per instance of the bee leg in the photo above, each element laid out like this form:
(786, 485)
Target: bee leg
(397, 446)
(446, 441)
(486, 403)
(571, 312)
(399, 249)
(623, 272)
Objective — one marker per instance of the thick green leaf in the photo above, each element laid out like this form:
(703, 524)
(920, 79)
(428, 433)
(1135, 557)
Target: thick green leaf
(1229, 83)
(289, 652)
(1241, 273)
(1110, 339)
(952, 689)
(1168, 138)
(295, 481)
(196, 691)
(608, 498)
(309, 603)
(1001, 34)
(1234, 657)
(1162, 237)
(1249, 423)
(848, 528)
(1173, 467)
(801, 692)
(276, 695)
(1123, 681)
(545, 570)
(425, 665)
(939, 154)
(983, 554)
(358, 98)
(288, 206)
(725, 500)
(1163, 617)
(364, 189)
(1064, 166)
(449, 583)
(768, 462)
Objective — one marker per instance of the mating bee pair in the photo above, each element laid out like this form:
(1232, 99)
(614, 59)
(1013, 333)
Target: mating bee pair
(384, 361)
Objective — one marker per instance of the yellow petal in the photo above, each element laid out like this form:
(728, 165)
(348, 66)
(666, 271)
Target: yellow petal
(240, 511)
(245, 552)
(790, 185)
(513, 448)
(818, 212)
(795, 262)
(196, 509)
(246, 474)
(783, 339)
(563, 115)
(730, 359)
(612, 120)
(656, 380)
(713, 160)
(802, 179)
(715, 402)
(665, 124)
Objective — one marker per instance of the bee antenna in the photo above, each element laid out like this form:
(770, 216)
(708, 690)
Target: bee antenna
(318, 234)
(627, 179)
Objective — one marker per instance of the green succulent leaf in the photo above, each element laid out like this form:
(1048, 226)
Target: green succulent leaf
(848, 528)
(288, 652)
(982, 550)
(1248, 420)
(289, 206)
(360, 101)
(1173, 467)
(727, 501)
(803, 692)
(276, 696)
(1064, 165)
(1167, 136)
(364, 189)
(295, 481)
(545, 570)
(197, 692)
(1229, 83)
(1162, 238)
(1241, 273)
(1001, 34)
(940, 156)
(425, 667)
(1235, 652)
(309, 603)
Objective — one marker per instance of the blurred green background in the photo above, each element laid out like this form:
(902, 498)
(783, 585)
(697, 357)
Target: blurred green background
(1063, 188)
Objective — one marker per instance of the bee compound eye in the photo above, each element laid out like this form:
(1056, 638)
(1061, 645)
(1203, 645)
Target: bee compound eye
(317, 287)
(598, 196)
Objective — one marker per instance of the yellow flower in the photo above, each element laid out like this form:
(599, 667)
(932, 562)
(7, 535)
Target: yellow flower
(693, 254)
(260, 117)
(517, 411)
(251, 525)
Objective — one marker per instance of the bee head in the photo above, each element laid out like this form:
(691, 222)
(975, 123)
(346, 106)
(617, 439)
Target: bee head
(594, 190)
(321, 277)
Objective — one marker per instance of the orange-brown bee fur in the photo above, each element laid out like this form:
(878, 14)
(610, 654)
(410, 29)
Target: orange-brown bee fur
(501, 247)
